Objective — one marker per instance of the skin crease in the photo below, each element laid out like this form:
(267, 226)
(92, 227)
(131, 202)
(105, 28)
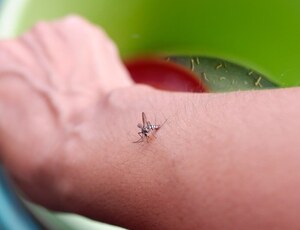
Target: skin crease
(68, 119)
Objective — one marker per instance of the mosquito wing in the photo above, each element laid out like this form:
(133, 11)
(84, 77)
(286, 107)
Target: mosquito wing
(148, 123)
(144, 118)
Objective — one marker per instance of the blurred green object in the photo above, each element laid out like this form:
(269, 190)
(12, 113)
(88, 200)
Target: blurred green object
(260, 35)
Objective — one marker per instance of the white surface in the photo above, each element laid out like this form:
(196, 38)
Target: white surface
(78, 222)
(10, 13)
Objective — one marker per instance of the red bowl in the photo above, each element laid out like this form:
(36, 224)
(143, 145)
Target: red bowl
(164, 75)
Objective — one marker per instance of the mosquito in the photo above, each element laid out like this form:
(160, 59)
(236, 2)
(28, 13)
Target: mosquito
(146, 128)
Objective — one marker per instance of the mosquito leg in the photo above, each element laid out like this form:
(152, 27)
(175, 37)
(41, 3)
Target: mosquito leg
(141, 139)
(147, 137)
(142, 136)
(138, 141)
(162, 124)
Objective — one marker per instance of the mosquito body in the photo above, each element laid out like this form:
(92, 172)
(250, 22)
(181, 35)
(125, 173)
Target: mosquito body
(146, 128)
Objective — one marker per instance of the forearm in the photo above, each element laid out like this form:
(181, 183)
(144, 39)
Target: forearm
(220, 161)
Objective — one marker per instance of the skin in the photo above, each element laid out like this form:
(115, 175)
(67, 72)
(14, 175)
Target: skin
(69, 112)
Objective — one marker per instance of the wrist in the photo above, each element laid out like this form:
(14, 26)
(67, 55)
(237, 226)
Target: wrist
(133, 179)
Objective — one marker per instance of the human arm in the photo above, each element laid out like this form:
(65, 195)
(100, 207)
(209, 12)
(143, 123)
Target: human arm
(220, 160)
(217, 163)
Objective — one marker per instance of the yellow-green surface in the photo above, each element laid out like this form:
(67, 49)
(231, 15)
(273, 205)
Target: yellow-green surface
(261, 35)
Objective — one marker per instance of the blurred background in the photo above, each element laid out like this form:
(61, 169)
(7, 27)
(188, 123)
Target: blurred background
(215, 46)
